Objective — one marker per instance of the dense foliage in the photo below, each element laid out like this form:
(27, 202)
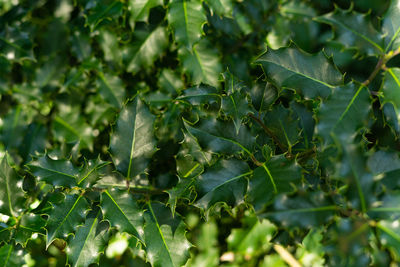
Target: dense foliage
(199, 133)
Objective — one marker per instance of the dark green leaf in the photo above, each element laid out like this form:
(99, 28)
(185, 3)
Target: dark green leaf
(89, 242)
(10, 256)
(122, 211)
(186, 19)
(132, 143)
(166, 244)
(224, 182)
(65, 217)
(311, 75)
(278, 175)
(11, 194)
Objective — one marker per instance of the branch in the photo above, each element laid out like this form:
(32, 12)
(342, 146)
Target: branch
(380, 65)
(286, 256)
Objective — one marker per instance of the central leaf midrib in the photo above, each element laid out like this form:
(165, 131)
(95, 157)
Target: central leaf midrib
(103, 79)
(87, 236)
(161, 234)
(66, 216)
(133, 140)
(119, 208)
(298, 73)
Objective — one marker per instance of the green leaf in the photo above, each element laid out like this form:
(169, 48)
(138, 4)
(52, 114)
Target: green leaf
(220, 137)
(253, 238)
(132, 143)
(389, 233)
(166, 244)
(224, 182)
(311, 75)
(10, 256)
(387, 208)
(102, 12)
(309, 210)
(201, 95)
(140, 9)
(263, 96)
(391, 89)
(29, 224)
(91, 171)
(89, 242)
(391, 25)
(354, 30)
(65, 217)
(277, 175)
(122, 211)
(186, 19)
(284, 124)
(311, 251)
(344, 112)
(145, 48)
(201, 62)
(221, 7)
(16, 45)
(111, 88)
(55, 172)
(235, 103)
(11, 194)
(383, 161)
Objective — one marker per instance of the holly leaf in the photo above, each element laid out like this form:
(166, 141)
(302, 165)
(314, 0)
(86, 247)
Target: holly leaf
(166, 244)
(186, 18)
(354, 31)
(29, 224)
(140, 9)
(220, 136)
(122, 211)
(101, 12)
(11, 194)
(145, 48)
(132, 143)
(225, 182)
(344, 112)
(10, 256)
(391, 25)
(111, 88)
(277, 175)
(389, 235)
(223, 8)
(391, 89)
(89, 242)
(201, 95)
(58, 172)
(91, 172)
(310, 211)
(291, 68)
(65, 217)
(201, 62)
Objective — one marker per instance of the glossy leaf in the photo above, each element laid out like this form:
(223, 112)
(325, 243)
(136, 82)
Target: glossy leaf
(111, 89)
(55, 172)
(201, 62)
(391, 87)
(221, 137)
(101, 12)
(186, 19)
(11, 194)
(29, 225)
(64, 217)
(145, 48)
(354, 30)
(16, 45)
(89, 242)
(140, 9)
(391, 25)
(10, 256)
(132, 143)
(292, 68)
(344, 112)
(165, 237)
(122, 211)
(276, 176)
(201, 95)
(224, 182)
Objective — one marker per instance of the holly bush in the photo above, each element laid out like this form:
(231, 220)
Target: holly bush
(199, 133)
